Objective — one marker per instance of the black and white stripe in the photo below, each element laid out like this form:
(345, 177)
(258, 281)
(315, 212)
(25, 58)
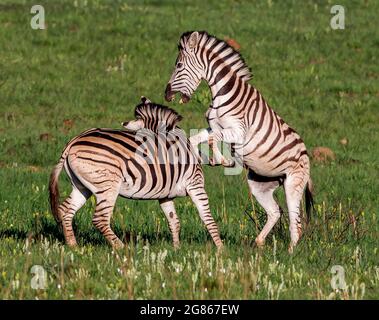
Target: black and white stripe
(152, 159)
(273, 152)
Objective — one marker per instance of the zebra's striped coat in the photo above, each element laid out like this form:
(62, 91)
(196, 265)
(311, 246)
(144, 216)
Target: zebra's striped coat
(272, 151)
(153, 159)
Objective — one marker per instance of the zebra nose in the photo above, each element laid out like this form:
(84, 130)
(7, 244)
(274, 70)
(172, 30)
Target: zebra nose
(124, 124)
(169, 94)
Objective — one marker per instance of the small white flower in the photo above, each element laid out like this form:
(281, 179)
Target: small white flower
(163, 285)
(210, 273)
(58, 286)
(205, 289)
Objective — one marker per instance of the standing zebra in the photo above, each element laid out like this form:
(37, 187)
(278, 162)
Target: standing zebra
(152, 160)
(273, 153)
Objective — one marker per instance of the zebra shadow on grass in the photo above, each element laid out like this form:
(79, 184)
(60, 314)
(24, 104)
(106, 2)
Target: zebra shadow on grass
(87, 234)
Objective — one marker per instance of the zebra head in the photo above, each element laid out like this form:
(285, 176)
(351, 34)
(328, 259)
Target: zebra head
(203, 56)
(152, 116)
(189, 69)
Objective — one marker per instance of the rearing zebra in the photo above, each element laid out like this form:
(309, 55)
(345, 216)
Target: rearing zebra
(273, 153)
(152, 160)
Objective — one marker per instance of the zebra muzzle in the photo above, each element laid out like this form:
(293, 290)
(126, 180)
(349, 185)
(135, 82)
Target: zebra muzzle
(169, 94)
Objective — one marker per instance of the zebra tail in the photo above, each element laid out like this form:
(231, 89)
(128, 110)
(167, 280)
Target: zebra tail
(54, 190)
(309, 203)
(53, 184)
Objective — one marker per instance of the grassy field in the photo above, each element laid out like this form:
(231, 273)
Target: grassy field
(89, 68)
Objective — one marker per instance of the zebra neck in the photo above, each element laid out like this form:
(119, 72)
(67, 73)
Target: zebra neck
(227, 92)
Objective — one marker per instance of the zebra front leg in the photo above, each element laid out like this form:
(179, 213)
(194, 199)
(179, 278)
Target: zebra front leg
(200, 137)
(197, 139)
(172, 218)
(67, 210)
(105, 202)
(229, 135)
(200, 199)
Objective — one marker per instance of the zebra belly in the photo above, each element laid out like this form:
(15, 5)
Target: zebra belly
(130, 191)
(90, 178)
(271, 161)
(159, 183)
(260, 167)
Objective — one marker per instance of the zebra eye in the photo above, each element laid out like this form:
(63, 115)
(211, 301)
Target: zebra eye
(179, 65)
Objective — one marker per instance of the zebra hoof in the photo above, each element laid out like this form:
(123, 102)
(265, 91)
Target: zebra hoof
(176, 246)
(213, 163)
(228, 163)
(259, 243)
(118, 245)
(72, 243)
(220, 249)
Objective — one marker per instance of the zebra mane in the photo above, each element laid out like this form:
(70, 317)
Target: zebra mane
(209, 41)
(155, 116)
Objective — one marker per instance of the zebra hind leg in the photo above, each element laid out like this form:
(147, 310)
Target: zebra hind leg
(105, 202)
(172, 218)
(67, 210)
(262, 189)
(294, 188)
(200, 199)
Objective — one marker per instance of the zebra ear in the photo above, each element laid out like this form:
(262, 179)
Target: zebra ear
(193, 40)
(145, 100)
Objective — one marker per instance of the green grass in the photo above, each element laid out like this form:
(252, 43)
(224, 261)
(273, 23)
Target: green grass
(324, 83)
